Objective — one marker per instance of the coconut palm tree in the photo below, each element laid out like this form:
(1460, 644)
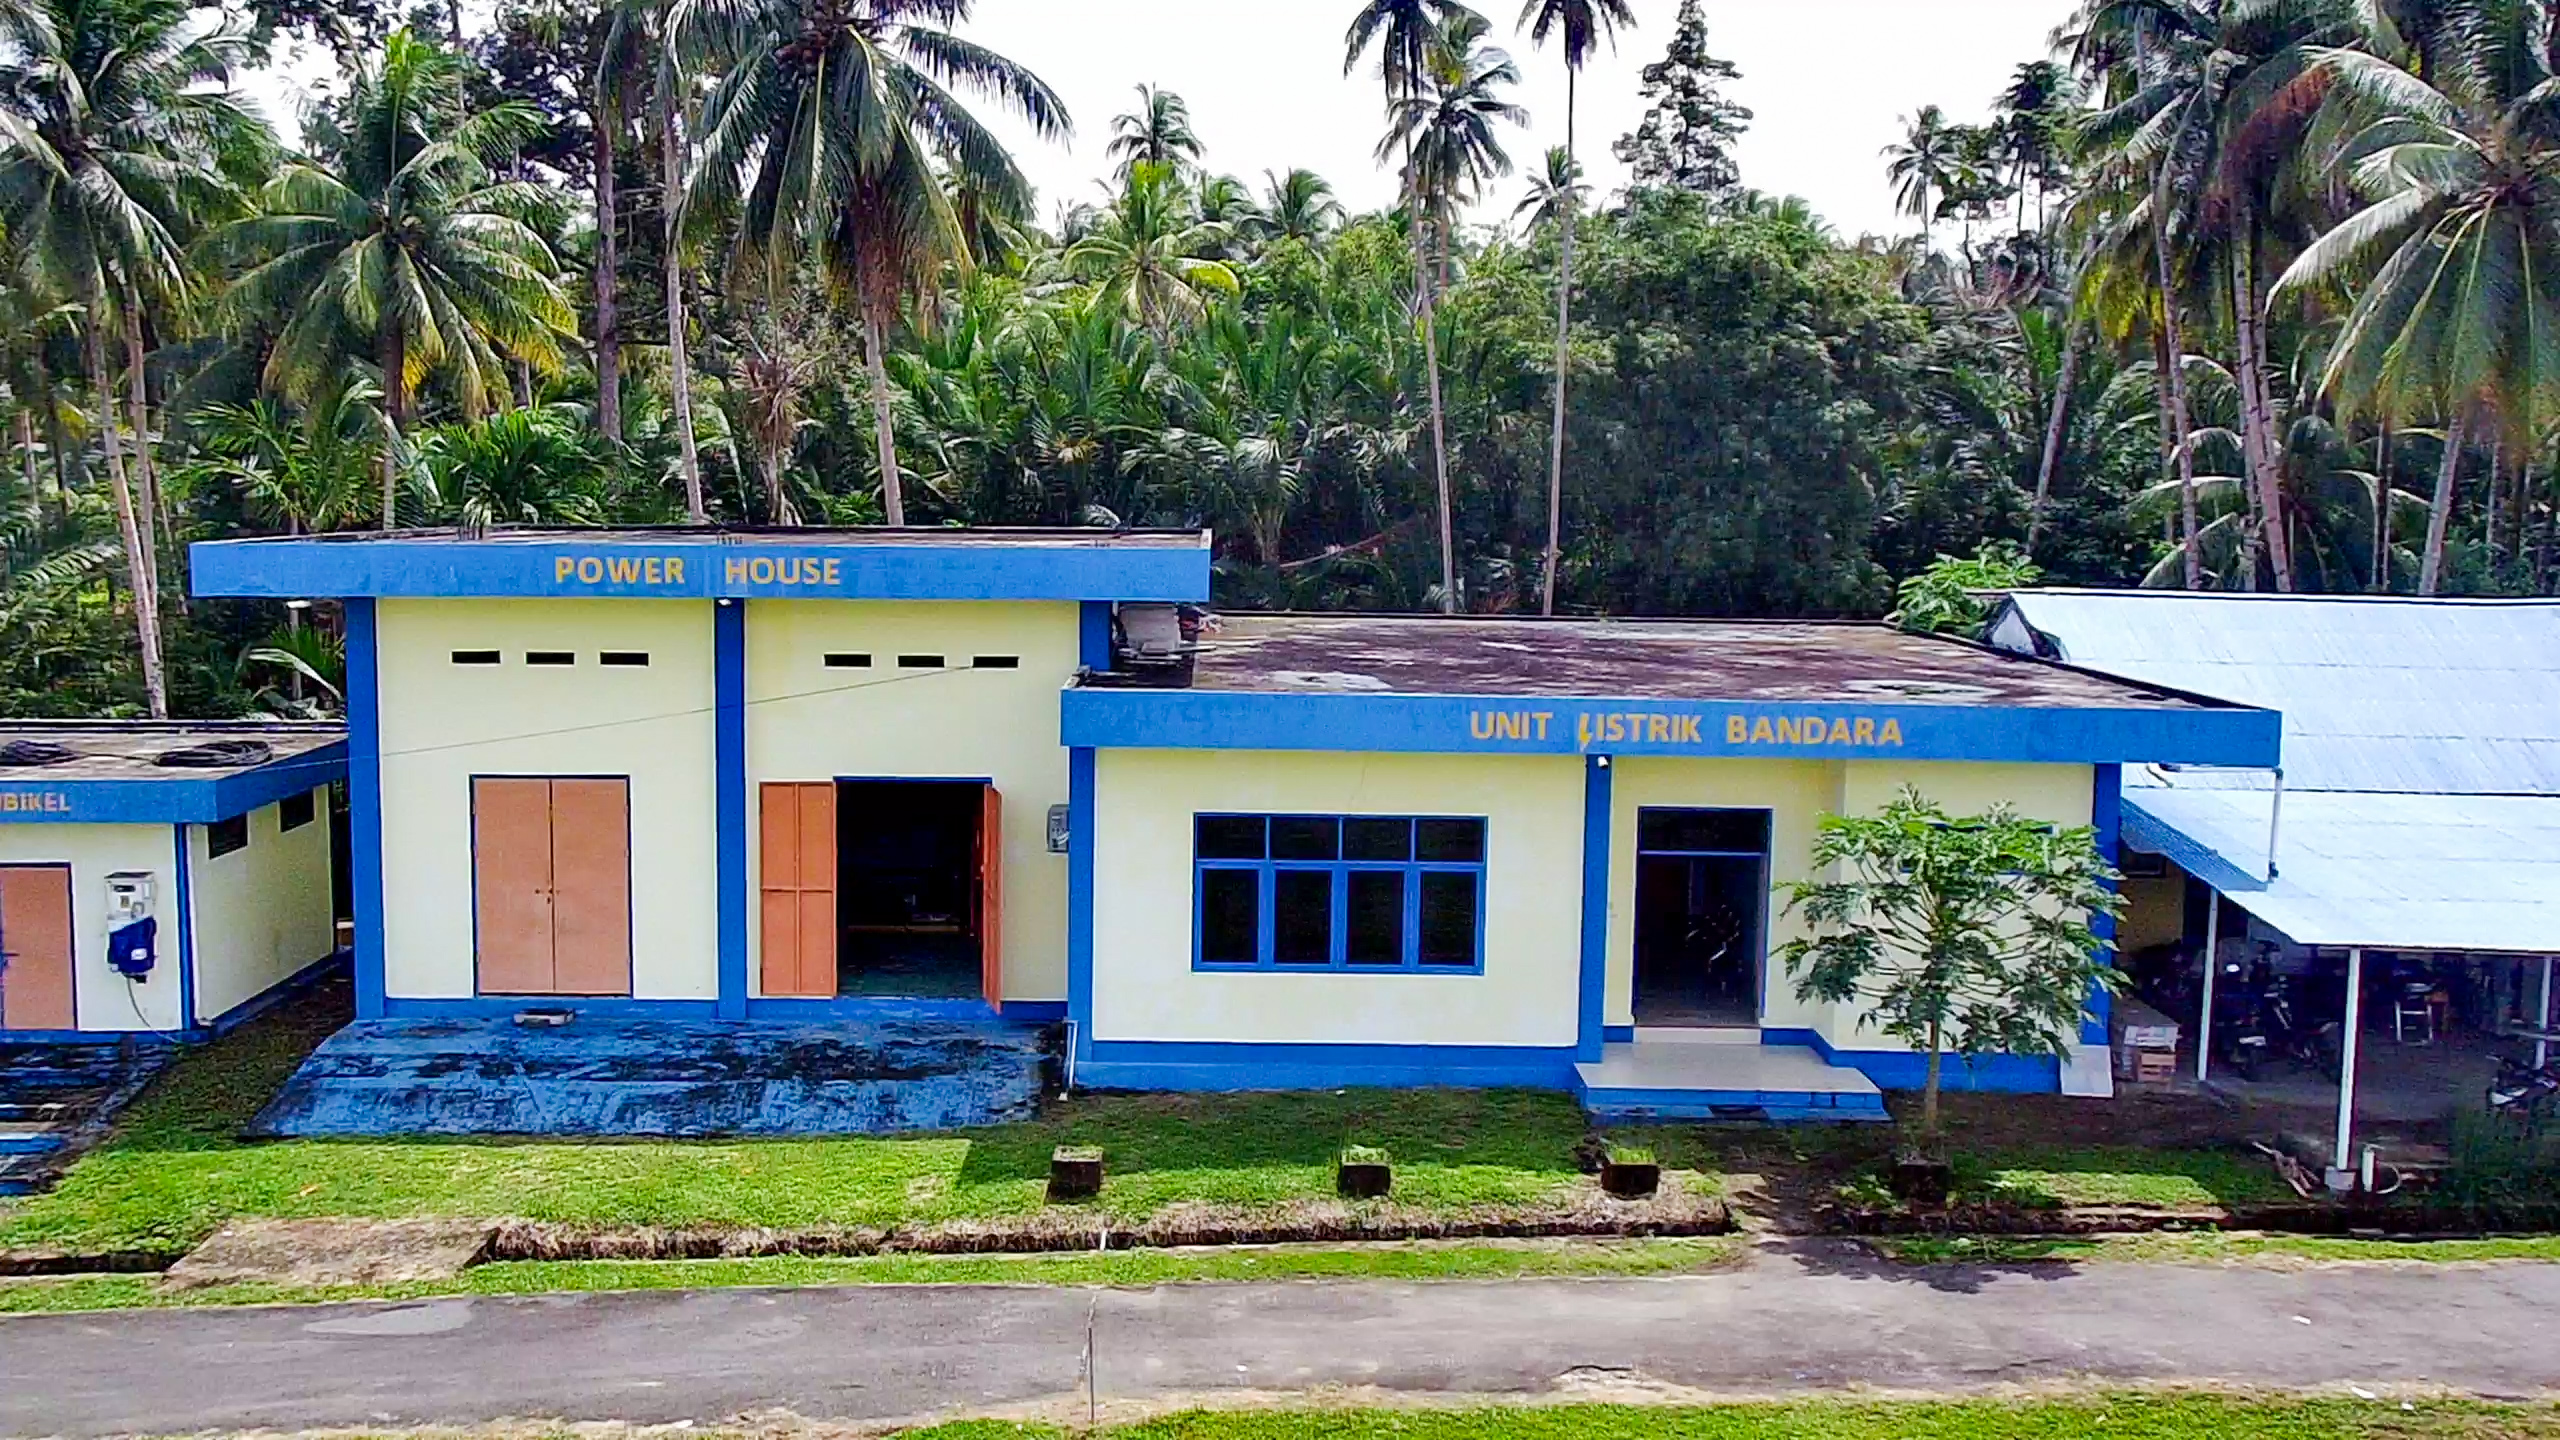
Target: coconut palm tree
(1582, 25)
(1555, 187)
(1927, 162)
(829, 128)
(2454, 310)
(1158, 132)
(115, 123)
(1149, 257)
(636, 56)
(400, 243)
(1296, 206)
(1446, 131)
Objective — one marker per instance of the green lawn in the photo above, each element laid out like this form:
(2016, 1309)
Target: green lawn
(175, 1173)
(1463, 1260)
(2051, 1177)
(2125, 1417)
(2208, 1246)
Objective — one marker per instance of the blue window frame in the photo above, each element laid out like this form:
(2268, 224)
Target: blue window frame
(1356, 893)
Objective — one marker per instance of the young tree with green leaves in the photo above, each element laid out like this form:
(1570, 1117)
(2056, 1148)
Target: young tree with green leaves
(1581, 25)
(1972, 935)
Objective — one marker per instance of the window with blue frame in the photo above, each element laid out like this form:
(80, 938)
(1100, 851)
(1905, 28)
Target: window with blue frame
(1338, 892)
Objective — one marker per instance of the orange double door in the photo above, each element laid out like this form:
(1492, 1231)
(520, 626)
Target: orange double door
(799, 930)
(552, 884)
(35, 948)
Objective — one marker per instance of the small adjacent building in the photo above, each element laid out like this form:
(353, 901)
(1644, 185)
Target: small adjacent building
(160, 878)
(797, 776)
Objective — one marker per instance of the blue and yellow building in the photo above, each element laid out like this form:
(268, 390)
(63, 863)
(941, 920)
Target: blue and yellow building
(788, 776)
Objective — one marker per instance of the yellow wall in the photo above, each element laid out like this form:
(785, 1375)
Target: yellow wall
(262, 913)
(1144, 986)
(444, 723)
(808, 722)
(2155, 913)
(101, 998)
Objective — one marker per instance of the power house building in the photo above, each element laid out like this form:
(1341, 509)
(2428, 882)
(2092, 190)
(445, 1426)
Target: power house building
(795, 776)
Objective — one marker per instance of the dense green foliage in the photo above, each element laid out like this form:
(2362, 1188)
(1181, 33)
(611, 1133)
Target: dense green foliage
(453, 301)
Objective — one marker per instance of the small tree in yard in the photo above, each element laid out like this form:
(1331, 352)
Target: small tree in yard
(1969, 934)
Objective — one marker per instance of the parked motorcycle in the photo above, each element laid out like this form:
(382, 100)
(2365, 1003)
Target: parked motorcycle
(2522, 1091)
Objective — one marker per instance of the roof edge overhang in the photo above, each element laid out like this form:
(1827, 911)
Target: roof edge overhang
(1702, 729)
(26, 796)
(699, 565)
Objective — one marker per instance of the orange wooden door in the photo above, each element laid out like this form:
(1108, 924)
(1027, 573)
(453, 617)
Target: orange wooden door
(512, 884)
(798, 885)
(991, 896)
(591, 887)
(35, 948)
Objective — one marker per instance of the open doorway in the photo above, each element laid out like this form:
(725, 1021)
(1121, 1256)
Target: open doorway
(915, 908)
(1702, 891)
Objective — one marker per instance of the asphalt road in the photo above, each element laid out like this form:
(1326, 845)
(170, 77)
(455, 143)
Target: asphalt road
(1820, 1318)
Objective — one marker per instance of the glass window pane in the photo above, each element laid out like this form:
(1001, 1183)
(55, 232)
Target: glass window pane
(1302, 917)
(1451, 840)
(1230, 837)
(1374, 839)
(1230, 916)
(1744, 832)
(1449, 919)
(1376, 903)
(1305, 837)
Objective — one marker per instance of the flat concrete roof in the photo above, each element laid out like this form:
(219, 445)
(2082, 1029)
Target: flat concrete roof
(130, 750)
(1775, 661)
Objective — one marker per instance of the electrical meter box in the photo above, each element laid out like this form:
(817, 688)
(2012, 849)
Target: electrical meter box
(133, 933)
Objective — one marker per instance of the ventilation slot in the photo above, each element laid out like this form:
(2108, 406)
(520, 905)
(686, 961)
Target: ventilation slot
(551, 657)
(475, 657)
(842, 660)
(632, 659)
(919, 662)
(996, 662)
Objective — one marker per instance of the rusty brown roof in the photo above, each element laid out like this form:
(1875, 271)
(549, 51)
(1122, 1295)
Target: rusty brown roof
(1783, 661)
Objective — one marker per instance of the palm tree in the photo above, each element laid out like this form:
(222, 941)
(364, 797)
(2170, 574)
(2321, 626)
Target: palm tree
(2454, 310)
(1405, 33)
(1157, 133)
(1555, 188)
(636, 51)
(1296, 206)
(116, 121)
(1928, 161)
(829, 129)
(402, 244)
(1148, 257)
(1583, 24)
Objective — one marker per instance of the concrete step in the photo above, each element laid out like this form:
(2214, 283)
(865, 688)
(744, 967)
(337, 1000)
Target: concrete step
(1660, 1081)
(20, 1138)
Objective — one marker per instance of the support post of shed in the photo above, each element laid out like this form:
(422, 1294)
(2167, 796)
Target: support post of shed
(2542, 1042)
(2212, 974)
(2342, 1173)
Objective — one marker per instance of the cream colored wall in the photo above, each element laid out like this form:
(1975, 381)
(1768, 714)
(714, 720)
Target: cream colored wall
(806, 722)
(1144, 986)
(102, 999)
(1795, 792)
(2155, 913)
(261, 913)
(443, 723)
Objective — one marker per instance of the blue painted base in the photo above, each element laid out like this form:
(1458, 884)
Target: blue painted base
(1618, 1034)
(852, 1009)
(1735, 1106)
(604, 1074)
(1905, 1070)
(1210, 1065)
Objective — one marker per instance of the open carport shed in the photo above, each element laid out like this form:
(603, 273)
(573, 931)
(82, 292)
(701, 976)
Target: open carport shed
(2418, 805)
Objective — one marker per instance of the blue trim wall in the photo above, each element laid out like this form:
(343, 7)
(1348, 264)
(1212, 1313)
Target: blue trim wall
(364, 803)
(690, 566)
(729, 760)
(1093, 635)
(186, 928)
(2106, 814)
(1909, 1070)
(1209, 1065)
(619, 1007)
(26, 797)
(1081, 793)
(1598, 817)
(1458, 724)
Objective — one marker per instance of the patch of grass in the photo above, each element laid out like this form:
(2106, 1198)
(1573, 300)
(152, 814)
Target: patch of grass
(176, 1171)
(1480, 1260)
(2206, 1246)
(2057, 1176)
(2130, 1417)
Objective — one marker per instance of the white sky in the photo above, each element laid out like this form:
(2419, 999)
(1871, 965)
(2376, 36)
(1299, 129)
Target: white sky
(1830, 82)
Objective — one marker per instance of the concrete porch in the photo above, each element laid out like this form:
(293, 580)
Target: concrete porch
(1723, 1075)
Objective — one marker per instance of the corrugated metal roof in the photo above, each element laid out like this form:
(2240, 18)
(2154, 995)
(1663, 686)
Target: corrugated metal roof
(2424, 697)
(2392, 872)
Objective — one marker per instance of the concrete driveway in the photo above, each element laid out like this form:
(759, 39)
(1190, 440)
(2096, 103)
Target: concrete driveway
(1817, 1317)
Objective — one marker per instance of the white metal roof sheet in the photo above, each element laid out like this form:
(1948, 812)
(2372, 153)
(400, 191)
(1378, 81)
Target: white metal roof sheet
(2425, 697)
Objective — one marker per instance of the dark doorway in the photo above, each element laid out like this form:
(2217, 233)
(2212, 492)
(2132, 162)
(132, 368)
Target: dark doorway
(910, 914)
(1702, 890)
